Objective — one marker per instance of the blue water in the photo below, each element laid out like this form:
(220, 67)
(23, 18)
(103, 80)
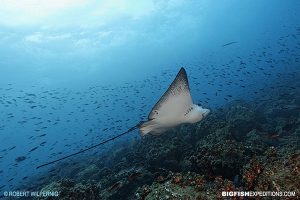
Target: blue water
(81, 72)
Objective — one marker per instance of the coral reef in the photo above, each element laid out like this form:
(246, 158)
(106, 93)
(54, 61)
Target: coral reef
(69, 190)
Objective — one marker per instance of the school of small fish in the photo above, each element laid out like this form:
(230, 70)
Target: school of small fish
(52, 122)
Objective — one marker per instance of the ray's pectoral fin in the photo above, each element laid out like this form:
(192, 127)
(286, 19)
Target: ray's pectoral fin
(169, 109)
(175, 100)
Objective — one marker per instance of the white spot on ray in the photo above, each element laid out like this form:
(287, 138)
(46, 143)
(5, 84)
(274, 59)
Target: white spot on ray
(173, 108)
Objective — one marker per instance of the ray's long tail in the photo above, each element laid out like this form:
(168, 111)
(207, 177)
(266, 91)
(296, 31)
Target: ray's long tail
(91, 147)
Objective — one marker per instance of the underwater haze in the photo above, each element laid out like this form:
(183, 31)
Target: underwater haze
(74, 73)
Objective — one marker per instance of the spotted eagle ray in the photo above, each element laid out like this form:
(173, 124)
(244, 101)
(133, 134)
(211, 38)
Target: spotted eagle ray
(175, 107)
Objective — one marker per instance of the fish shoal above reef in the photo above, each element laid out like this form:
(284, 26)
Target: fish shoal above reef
(245, 146)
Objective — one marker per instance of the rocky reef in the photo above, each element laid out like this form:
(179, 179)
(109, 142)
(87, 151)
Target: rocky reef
(243, 146)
